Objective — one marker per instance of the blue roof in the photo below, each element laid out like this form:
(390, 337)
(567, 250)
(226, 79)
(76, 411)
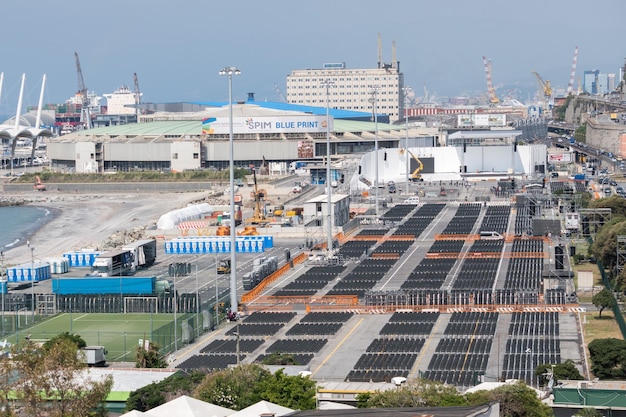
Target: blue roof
(318, 111)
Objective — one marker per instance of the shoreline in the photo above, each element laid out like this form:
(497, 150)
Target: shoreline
(80, 221)
(50, 213)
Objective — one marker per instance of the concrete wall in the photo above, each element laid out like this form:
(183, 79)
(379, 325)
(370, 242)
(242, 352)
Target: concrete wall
(140, 187)
(604, 135)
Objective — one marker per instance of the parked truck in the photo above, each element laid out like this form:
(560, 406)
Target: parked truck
(144, 253)
(113, 263)
(135, 286)
(95, 355)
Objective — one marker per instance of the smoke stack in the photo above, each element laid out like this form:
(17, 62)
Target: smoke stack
(250, 96)
(380, 52)
(393, 54)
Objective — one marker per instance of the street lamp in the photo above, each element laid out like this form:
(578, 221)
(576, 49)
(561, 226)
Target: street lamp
(230, 71)
(329, 242)
(32, 277)
(3, 282)
(406, 144)
(374, 102)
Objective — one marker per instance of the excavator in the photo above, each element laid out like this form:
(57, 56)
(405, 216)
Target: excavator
(415, 175)
(223, 266)
(258, 218)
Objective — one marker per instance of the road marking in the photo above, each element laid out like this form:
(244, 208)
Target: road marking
(338, 346)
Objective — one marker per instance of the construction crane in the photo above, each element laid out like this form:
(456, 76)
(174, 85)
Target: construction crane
(572, 74)
(490, 90)
(546, 90)
(415, 175)
(258, 218)
(85, 116)
(137, 94)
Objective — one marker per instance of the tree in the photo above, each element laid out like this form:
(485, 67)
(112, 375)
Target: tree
(232, 388)
(519, 400)
(608, 358)
(239, 387)
(604, 246)
(158, 393)
(421, 393)
(279, 358)
(294, 391)
(589, 412)
(78, 341)
(52, 381)
(603, 299)
(562, 371)
(150, 358)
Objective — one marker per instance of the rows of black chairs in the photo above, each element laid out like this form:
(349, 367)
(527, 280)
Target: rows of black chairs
(528, 245)
(476, 273)
(372, 232)
(464, 345)
(524, 221)
(209, 362)
(491, 246)
(496, 219)
(311, 281)
(524, 274)
(268, 317)
(473, 316)
(381, 361)
(446, 246)
(306, 329)
(398, 212)
(363, 277)
(478, 328)
(356, 248)
(256, 329)
(376, 375)
(456, 378)
(396, 344)
(458, 361)
(420, 220)
(464, 219)
(393, 246)
(534, 323)
(230, 346)
(429, 274)
(300, 359)
(327, 317)
(297, 345)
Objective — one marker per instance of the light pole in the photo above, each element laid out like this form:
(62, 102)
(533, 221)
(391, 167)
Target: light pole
(329, 224)
(374, 102)
(32, 277)
(3, 282)
(406, 144)
(230, 71)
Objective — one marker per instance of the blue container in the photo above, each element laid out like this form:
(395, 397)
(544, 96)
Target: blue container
(142, 286)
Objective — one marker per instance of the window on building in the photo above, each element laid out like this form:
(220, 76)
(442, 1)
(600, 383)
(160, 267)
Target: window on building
(196, 155)
(175, 156)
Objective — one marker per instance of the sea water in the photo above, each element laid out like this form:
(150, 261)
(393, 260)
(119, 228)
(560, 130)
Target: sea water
(17, 223)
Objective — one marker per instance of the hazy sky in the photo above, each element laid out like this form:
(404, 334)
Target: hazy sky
(178, 47)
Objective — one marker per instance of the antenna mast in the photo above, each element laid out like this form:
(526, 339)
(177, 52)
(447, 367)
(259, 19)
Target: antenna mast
(572, 74)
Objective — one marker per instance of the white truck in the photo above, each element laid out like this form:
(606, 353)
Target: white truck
(113, 263)
(144, 253)
(95, 355)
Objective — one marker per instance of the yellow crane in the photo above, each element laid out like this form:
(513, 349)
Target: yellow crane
(546, 90)
(415, 175)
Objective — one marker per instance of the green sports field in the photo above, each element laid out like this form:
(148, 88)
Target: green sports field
(119, 333)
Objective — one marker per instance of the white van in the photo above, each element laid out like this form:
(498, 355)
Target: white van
(489, 235)
(412, 200)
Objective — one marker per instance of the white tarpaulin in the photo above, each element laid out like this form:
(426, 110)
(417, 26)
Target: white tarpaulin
(171, 219)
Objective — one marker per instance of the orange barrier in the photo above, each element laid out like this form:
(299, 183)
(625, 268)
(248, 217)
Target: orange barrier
(385, 255)
(254, 293)
(455, 237)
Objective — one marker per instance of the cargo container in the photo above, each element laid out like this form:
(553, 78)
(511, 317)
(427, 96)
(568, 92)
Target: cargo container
(95, 355)
(144, 253)
(125, 285)
(38, 271)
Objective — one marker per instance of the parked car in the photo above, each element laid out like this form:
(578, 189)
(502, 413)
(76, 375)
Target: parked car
(391, 188)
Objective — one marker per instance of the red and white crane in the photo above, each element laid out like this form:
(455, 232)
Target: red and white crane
(490, 90)
(572, 74)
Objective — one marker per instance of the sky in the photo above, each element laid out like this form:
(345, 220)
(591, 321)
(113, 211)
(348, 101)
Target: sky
(177, 48)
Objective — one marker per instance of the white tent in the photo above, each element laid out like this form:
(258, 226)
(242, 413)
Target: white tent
(263, 408)
(184, 406)
(171, 219)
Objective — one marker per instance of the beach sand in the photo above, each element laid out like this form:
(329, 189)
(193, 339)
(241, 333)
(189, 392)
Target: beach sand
(88, 220)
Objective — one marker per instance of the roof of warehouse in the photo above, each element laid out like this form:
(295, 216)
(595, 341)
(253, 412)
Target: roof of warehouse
(274, 105)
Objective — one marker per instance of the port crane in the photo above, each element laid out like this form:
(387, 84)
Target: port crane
(572, 75)
(85, 116)
(137, 94)
(546, 90)
(493, 99)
